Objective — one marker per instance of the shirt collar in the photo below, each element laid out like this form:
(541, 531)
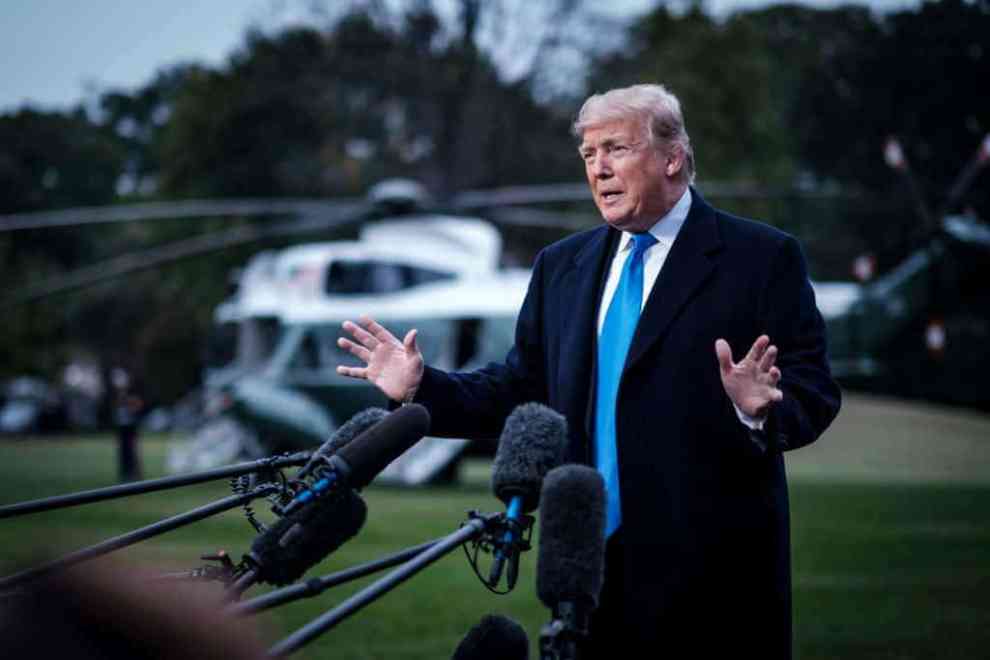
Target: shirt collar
(666, 228)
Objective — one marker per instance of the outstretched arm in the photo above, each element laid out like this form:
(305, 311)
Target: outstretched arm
(786, 385)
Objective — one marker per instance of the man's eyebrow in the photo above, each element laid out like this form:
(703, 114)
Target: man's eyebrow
(607, 142)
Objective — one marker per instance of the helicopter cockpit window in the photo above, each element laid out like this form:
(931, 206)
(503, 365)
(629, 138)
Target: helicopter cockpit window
(256, 341)
(417, 276)
(370, 277)
(308, 356)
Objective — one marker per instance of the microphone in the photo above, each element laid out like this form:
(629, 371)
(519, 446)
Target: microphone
(356, 463)
(297, 542)
(571, 561)
(324, 517)
(360, 461)
(353, 427)
(533, 441)
(496, 637)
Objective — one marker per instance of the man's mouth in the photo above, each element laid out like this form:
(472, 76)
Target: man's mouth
(611, 195)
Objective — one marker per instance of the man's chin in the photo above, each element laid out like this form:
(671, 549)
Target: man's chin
(614, 217)
(621, 222)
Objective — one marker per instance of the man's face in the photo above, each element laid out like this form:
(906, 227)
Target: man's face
(627, 174)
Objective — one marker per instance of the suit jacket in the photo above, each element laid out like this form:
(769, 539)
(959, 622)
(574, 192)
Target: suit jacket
(704, 500)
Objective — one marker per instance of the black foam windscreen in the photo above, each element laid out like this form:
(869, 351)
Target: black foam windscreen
(297, 542)
(351, 429)
(571, 560)
(496, 637)
(533, 442)
(371, 452)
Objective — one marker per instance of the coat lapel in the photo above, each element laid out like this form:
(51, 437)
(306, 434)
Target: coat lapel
(581, 287)
(690, 262)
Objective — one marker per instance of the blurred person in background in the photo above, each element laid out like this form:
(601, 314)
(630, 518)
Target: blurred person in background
(127, 409)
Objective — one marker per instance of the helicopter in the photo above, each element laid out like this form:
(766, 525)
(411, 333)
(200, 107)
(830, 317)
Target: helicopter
(921, 329)
(270, 383)
(278, 389)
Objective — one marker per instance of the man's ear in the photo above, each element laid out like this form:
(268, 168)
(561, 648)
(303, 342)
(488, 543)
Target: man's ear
(675, 161)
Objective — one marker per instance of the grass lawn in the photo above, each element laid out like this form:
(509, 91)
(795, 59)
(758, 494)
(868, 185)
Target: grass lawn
(889, 511)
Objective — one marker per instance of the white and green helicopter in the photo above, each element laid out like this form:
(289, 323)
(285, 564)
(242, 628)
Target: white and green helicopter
(277, 389)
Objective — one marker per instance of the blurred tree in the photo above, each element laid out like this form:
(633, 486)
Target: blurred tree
(919, 75)
(252, 130)
(723, 74)
(52, 159)
(377, 94)
(800, 40)
(138, 120)
(480, 129)
(47, 160)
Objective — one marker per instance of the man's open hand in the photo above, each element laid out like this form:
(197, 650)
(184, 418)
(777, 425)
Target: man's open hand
(751, 383)
(394, 367)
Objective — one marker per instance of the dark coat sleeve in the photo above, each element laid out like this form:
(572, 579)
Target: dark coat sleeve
(792, 321)
(475, 404)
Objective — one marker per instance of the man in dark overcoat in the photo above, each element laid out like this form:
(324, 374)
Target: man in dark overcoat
(629, 330)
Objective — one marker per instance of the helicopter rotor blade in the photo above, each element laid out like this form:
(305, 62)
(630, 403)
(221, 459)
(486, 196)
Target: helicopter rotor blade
(893, 155)
(517, 195)
(578, 192)
(965, 179)
(530, 217)
(178, 250)
(202, 208)
(311, 216)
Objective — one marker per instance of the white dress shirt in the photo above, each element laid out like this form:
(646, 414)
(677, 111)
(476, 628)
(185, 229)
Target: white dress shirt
(665, 231)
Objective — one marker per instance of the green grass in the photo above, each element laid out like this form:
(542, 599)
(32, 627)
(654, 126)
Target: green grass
(889, 511)
(424, 618)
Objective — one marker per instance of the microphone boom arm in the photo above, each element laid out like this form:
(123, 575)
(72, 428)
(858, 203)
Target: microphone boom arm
(559, 639)
(316, 586)
(140, 534)
(475, 527)
(151, 485)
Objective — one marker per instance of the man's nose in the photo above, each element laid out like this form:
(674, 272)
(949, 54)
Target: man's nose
(601, 166)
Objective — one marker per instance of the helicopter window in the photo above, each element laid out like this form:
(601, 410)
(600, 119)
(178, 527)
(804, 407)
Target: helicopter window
(359, 277)
(308, 356)
(257, 338)
(386, 278)
(468, 331)
(364, 277)
(221, 345)
(417, 276)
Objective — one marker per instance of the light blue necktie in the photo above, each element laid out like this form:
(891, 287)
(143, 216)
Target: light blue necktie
(613, 345)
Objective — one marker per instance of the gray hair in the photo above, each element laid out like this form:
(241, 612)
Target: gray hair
(659, 109)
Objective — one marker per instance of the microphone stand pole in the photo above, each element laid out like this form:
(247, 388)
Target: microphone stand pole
(132, 537)
(471, 530)
(559, 638)
(151, 485)
(316, 586)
